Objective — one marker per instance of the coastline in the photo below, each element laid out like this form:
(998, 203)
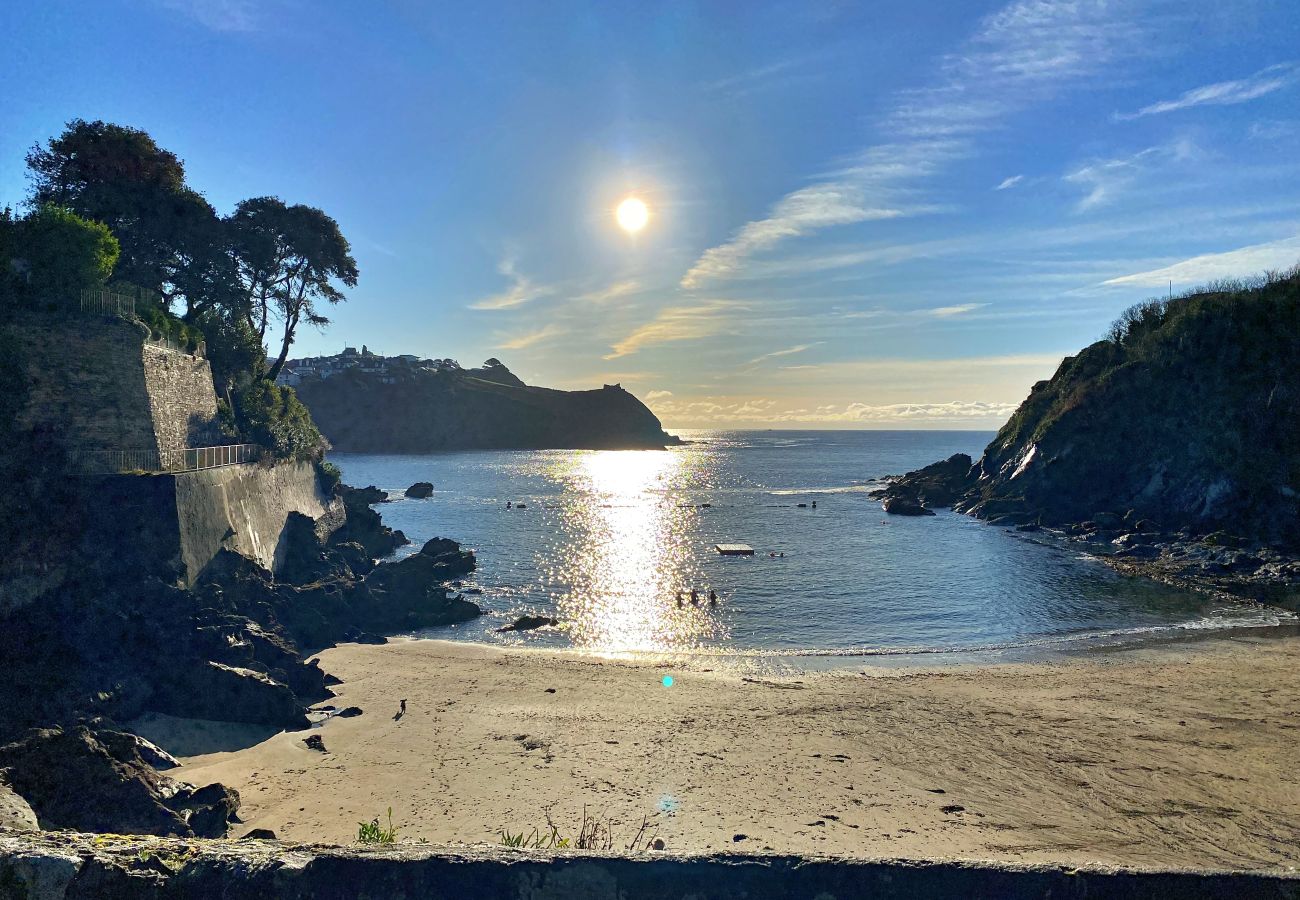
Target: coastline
(1080, 760)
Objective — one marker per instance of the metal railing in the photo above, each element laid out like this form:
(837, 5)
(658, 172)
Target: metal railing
(103, 302)
(199, 350)
(191, 459)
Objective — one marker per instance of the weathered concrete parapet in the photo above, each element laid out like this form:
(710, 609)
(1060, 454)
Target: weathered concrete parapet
(66, 866)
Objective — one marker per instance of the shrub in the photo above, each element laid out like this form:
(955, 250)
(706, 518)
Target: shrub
(373, 833)
(329, 475)
(274, 417)
(56, 254)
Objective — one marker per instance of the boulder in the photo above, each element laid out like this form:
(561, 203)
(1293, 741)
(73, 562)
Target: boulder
(936, 485)
(213, 690)
(905, 506)
(15, 813)
(411, 593)
(420, 490)
(74, 780)
(122, 744)
(367, 495)
(1108, 520)
(528, 623)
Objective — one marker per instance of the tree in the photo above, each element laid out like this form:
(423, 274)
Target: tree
(60, 253)
(171, 238)
(288, 260)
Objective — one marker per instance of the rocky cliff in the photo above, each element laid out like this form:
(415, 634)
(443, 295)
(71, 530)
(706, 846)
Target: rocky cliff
(486, 408)
(1184, 421)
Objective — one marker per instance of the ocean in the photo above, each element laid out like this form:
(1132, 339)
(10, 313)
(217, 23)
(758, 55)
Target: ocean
(605, 540)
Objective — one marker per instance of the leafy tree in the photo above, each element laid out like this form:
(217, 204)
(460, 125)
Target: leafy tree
(288, 260)
(58, 253)
(171, 238)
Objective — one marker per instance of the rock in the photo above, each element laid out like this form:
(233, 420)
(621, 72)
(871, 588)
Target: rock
(357, 636)
(1028, 526)
(122, 744)
(213, 690)
(301, 554)
(15, 813)
(936, 485)
(411, 593)
(904, 506)
(367, 495)
(259, 834)
(73, 780)
(528, 623)
(420, 490)
(1108, 520)
(365, 527)
(315, 742)
(1135, 540)
(350, 712)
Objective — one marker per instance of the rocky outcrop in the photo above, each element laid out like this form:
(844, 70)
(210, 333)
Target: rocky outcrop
(16, 814)
(905, 506)
(487, 408)
(364, 526)
(1183, 424)
(74, 779)
(420, 490)
(529, 623)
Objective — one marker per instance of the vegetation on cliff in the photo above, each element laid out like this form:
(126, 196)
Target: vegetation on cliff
(1186, 416)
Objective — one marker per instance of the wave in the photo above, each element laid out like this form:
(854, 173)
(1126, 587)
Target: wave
(838, 489)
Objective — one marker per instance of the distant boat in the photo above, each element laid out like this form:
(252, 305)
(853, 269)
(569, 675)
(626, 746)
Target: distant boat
(734, 549)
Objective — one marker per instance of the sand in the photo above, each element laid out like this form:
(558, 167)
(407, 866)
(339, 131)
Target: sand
(1169, 757)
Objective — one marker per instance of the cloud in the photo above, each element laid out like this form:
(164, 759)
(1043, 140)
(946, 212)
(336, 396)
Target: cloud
(610, 292)
(1223, 93)
(219, 15)
(524, 341)
(652, 396)
(1018, 56)
(677, 323)
(947, 312)
(788, 351)
(1231, 264)
(522, 290)
(715, 411)
(1009, 182)
(1103, 179)
(766, 77)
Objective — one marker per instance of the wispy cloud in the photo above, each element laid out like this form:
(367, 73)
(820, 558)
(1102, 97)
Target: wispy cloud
(523, 341)
(1104, 179)
(652, 396)
(1233, 263)
(677, 323)
(1224, 93)
(610, 292)
(772, 75)
(522, 290)
(1018, 56)
(788, 351)
(947, 312)
(219, 15)
(1009, 182)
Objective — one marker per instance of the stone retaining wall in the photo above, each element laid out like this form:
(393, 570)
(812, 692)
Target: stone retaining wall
(64, 866)
(182, 402)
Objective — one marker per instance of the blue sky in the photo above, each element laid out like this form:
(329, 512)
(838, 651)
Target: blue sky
(862, 214)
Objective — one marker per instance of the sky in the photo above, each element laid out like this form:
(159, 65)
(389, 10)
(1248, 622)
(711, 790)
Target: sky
(862, 215)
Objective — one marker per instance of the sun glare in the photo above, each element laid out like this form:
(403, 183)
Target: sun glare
(632, 215)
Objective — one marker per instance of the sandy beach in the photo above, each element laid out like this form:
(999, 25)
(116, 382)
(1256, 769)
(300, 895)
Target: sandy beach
(1175, 756)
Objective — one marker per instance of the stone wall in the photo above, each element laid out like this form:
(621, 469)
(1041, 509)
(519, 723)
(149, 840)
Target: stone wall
(182, 402)
(68, 866)
(95, 382)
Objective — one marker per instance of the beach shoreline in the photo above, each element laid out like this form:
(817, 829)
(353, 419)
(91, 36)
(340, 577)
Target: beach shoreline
(1176, 755)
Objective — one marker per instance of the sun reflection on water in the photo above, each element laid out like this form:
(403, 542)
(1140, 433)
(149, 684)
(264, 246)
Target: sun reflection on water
(633, 556)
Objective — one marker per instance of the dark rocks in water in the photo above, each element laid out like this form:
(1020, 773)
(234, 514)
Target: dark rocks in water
(420, 490)
(350, 712)
(72, 779)
(365, 527)
(315, 742)
(528, 623)
(409, 593)
(367, 495)
(936, 485)
(474, 409)
(905, 506)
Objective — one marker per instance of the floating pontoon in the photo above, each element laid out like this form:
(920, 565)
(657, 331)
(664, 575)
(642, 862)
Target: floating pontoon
(734, 549)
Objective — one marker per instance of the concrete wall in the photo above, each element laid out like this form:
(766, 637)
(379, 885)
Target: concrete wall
(70, 867)
(94, 381)
(243, 508)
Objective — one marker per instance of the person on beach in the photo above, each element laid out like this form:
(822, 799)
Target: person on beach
(403, 707)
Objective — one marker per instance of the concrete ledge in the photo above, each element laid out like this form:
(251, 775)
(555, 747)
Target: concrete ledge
(63, 866)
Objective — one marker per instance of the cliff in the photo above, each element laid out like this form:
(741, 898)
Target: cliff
(1186, 420)
(474, 409)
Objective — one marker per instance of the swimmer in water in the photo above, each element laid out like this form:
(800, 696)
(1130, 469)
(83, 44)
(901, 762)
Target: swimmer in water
(695, 597)
(713, 597)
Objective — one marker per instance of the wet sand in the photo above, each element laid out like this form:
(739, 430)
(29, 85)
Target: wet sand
(1176, 756)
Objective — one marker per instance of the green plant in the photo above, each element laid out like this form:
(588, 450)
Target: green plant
(329, 475)
(373, 833)
(594, 833)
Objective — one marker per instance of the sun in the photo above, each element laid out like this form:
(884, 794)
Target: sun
(632, 215)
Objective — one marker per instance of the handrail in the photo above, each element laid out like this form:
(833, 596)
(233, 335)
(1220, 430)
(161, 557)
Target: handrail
(189, 459)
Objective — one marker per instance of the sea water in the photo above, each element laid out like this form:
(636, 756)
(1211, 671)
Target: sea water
(605, 541)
